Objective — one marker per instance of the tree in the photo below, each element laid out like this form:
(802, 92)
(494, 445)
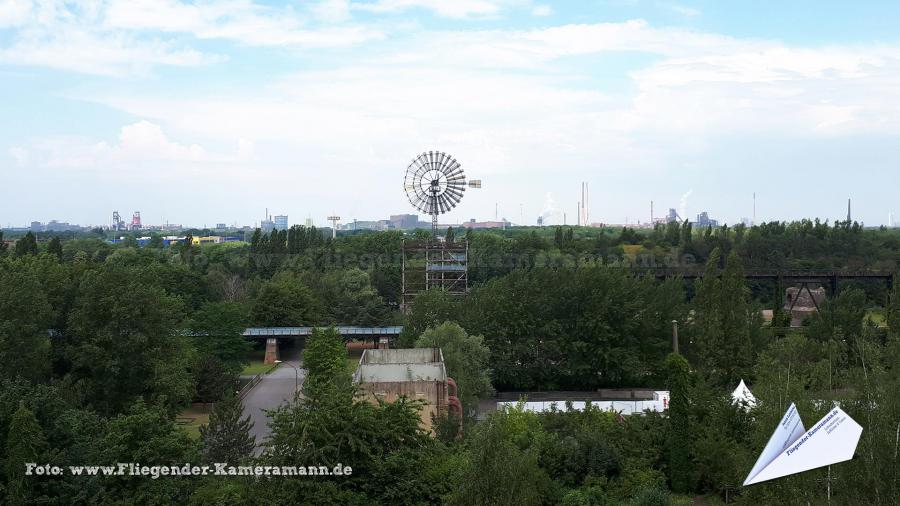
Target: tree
(725, 323)
(217, 329)
(146, 434)
(25, 443)
(226, 438)
(428, 309)
(389, 453)
(466, 359)
(54, 247)
(122, 342)
(349, 297)
(27, 245)
(285, 302)
(3, 245)
(515, 476)
(679, 432)
(25, 316)
(324, 355)
(449, 236)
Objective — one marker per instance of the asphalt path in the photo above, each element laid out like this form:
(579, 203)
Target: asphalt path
(273, 390)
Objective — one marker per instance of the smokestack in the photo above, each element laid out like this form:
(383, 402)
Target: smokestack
(848, 210)
(674, 336)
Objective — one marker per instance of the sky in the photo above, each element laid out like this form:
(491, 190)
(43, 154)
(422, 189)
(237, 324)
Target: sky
(212, 112)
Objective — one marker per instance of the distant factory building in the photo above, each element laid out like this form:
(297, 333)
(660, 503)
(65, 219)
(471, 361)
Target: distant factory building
(404, 221)
(503, 223)
(281, 222)
(704, 221)
(672, 216)
(267, 226)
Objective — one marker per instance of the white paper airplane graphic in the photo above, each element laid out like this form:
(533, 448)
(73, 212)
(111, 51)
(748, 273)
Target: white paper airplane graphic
(792, 449)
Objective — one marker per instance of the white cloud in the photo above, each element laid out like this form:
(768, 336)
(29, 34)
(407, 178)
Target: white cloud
(331, 11)
(87, 52)
(542, 10)
(14, 12)
(450, 9)
(116, 37)
(138, 145)
(683, 10)
(242, 21)
(19, 155)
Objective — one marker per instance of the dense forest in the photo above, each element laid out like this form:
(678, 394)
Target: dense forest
(103, 345)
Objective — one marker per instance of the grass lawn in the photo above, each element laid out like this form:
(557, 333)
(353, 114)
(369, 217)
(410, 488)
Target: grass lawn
(353, 360)
(256, 365)
(876, 316)
(255, 368)
(192, 418)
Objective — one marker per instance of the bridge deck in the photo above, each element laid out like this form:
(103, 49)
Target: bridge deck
(347, 332)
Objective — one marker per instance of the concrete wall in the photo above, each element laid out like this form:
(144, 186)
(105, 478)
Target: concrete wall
(433, 393)
(402, 356)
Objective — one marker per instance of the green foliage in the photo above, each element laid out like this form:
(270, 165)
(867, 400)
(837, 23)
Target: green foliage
(466, 359)
(227, 436)
(27, 245)
(24, 443)
(104, 344)
(652, 496)
(725, 327)
(146, 434)
(54, 247)
(429, 309)
(679, 431)
(25, 316)
(285, 302)
(348, 297)
(382, 442)
(503, 447)
(217, 329)
(324, 355)
(122, 343)
(572, 328)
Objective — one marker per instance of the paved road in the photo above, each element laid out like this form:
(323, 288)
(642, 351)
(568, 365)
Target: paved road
(274, 389)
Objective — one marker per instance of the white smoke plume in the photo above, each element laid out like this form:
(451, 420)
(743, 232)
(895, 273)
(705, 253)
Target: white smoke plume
(682, 207)
(550, 209)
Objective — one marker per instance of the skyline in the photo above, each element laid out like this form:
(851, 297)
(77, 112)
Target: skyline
(660, 214)
(208, 112)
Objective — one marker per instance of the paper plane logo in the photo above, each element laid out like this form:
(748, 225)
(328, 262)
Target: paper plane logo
(792, 449)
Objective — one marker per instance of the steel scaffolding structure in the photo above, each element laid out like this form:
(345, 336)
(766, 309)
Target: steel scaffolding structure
(434, 265)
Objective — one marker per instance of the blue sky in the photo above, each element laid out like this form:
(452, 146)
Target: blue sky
(208, 112)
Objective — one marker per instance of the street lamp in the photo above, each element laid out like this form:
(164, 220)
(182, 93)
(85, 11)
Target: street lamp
(296, 374)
